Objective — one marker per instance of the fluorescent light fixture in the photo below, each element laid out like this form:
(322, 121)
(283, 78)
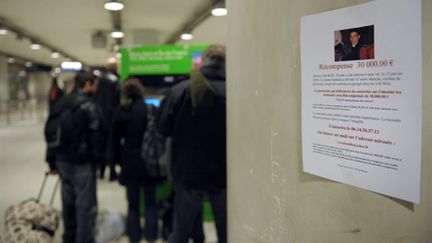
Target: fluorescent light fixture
(28, 64)
(11, 60)
(3, 30)
(114, 5)
(55, 54)
(117, 34)
(35, 46)
(219, 12)
(75, 66)
(186, 36)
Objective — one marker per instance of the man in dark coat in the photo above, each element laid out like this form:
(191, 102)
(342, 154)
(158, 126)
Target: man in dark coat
(194, 114)
(55, 95)
(76, 161)
(353, 52)
(108, 98)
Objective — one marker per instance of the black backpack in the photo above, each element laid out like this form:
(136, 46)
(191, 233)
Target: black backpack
(152, 149)
(60, 127)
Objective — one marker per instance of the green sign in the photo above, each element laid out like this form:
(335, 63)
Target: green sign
(160, 60)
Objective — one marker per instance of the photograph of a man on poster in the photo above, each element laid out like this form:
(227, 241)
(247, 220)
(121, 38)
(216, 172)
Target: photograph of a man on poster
(354, 44)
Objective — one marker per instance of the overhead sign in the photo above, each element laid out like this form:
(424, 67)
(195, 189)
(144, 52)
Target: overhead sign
(362, 96)
(160, 60)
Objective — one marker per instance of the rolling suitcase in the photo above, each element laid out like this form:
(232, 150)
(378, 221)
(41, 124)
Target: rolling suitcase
(31, 221)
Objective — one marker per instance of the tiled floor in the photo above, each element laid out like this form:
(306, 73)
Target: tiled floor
(22, 151)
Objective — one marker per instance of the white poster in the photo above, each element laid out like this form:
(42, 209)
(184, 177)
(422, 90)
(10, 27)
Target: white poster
(362, 96)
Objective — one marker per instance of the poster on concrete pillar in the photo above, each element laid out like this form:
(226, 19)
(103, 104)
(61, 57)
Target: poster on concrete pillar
(362, 96)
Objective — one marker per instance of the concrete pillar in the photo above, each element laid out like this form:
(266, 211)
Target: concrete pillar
(4, 81)
(270, 199)
(39, 85)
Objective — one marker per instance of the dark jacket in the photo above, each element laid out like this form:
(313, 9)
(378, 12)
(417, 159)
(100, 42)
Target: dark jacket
(108, 94)
(89, 126)
(129, 124)
(198, 133)
(55, 95)
(108, 98)
(352, 53)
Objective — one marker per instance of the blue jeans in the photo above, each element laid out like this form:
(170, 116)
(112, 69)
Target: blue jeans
(188, 214)
(79, 201)
(151, 217)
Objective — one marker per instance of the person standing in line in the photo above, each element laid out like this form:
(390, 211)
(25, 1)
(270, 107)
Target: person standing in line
(194, 115)
(76, 159)
(128, 127)
(55, 95)
(108, 98)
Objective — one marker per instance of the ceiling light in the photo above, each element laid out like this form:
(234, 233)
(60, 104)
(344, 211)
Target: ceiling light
(35, 46)
(11, 60)
(114, 5)
(117, 34)
(28, 64)
(55, 54)
(186, 36)
(219, 11)
(3, 30)
(71, 66)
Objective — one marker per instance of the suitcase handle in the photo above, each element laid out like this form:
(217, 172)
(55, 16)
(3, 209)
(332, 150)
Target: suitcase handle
(43, 188)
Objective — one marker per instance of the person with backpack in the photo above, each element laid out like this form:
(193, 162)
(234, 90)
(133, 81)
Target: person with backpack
(128, 128)
(194, 115)
(73, 130)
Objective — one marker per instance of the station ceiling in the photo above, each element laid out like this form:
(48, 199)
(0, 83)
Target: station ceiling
(68, 26)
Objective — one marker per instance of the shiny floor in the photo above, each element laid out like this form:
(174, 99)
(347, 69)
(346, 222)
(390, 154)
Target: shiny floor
(22, 165)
